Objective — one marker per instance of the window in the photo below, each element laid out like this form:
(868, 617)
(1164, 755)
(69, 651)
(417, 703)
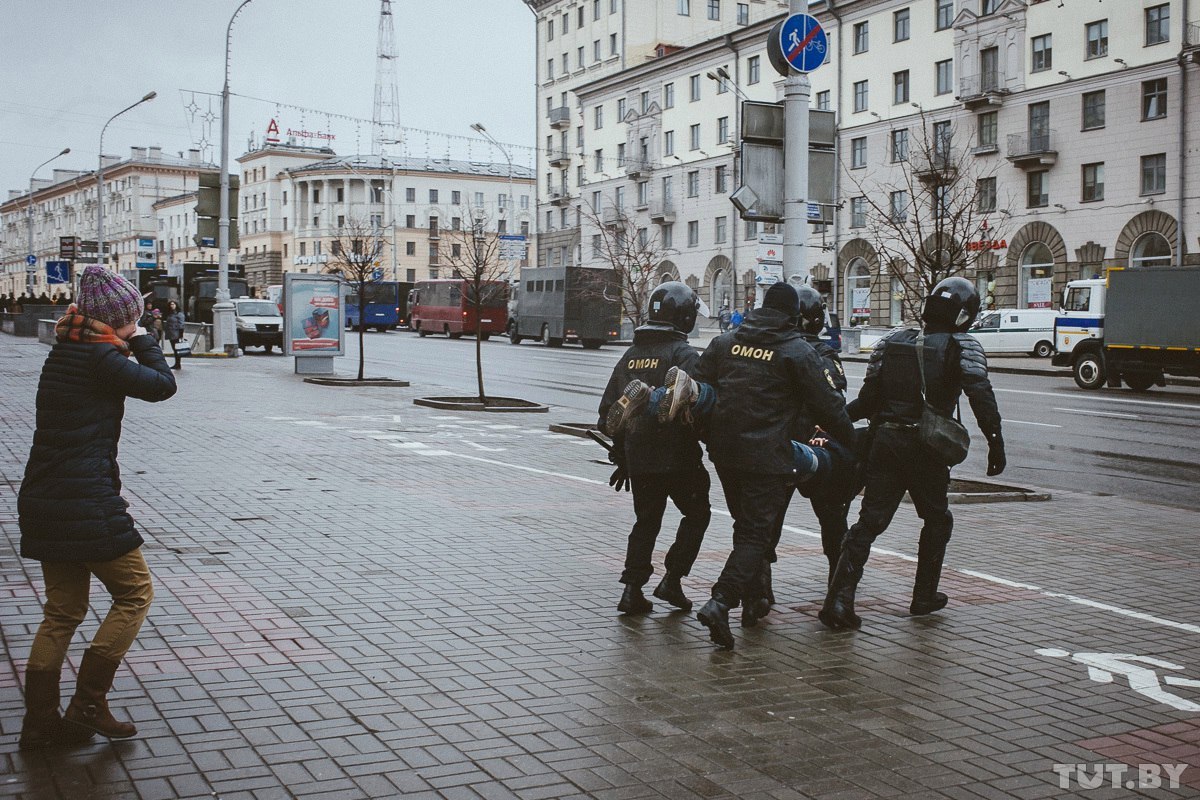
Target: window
(1039, 189)
(860, 96)
(341, 196)
(721, 178)
(1093, 182)
(693, 183)
(566, 23)
(943, 134)
(985, 194)
(1037, 277)
(669, 143)
(410, 248)
(595, 10)
(433, 195)
(612, 44)
(684, 7)
(579, 17)
(597, 201)
(1151, 250)
(1097, 39)
(644, 102)
(862, 39)
(722, 86)
(988, 128)
(899, 206)
(612, 6)
(598, 118)
(719, 227)
(944, 71)
(743, 13)
(1154, 174)
(858, 152)
(823, 100)
(900, 25)
(1093, 110)
(410, 220)
(669, 95)
(620, 154)
(668, 183)
(751, 229)
(1154, 99)
(694, 88)
(1158, 24)
(714, 9)
(988, 6)
(619, 198)
(989, 69)
(668, 236)
(1039, 127)
(455, 250)
(597, 249)
(900, 87)
(858, 212)
(550, 30)
(316, 195)
(456, 223)
(945, 14)
(941, 201)
(1043, 53)
(753, 68)
(621, 109)
(285, 198)
(579, 57)
(900, 145)
(722, 130)
(694, 137)
(693, 233)
(549, 69)
(456, 198)
(596, 50)
(479, 195)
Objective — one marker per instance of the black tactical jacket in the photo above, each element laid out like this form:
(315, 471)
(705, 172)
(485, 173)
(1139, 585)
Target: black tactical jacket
(831, 357)
(648, 447)
(772, 387)
(954, 363)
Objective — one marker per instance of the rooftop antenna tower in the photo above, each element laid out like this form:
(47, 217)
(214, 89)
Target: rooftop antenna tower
(385, 121)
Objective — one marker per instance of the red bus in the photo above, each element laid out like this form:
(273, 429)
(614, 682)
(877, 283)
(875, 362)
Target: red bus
(447, 306)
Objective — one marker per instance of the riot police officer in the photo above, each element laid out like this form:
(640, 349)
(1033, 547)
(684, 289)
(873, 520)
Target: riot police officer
(660, 462)
(771, 386)
(891, 397)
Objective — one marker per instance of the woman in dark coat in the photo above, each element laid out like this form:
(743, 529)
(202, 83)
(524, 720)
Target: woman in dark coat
(173, 329)
(72, 516)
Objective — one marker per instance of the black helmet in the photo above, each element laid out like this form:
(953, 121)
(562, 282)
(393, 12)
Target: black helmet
(674, 303)
(953, 304)
(812, 310)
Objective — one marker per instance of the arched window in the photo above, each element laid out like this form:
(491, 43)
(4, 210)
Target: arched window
(1150, 250)
(858, 291)
(1037, 277)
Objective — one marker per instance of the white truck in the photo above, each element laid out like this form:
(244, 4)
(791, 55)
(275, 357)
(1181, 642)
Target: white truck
(1135, 326)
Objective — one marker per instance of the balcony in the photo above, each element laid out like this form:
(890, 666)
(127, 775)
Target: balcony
(1191, 42)
(560, 197)
(1032, 151)
(560, 118)
(981, 91)
(611, 215)
(662, 211)
(559, 158)
(638, 170)
(985, 149)
(938, 167)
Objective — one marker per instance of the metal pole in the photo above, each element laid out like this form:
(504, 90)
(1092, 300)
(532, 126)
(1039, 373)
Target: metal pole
(30, 269)
(512, 196)
(100, 259)
(224, 337)
(796, 92)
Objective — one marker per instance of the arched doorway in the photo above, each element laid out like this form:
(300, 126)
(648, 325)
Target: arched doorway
(718, 277)
(858, 291)
(1035, 285)
(667, 271)
(1150, 250)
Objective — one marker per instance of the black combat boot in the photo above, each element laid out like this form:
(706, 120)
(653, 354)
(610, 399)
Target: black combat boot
(768, 587)
(714, 615)
(926, 598)
(634, 602)
(838, 611)
(670, 590)
(756, 602)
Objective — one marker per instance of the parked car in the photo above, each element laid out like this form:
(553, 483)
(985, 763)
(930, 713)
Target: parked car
(1011, 331)
(258, 323)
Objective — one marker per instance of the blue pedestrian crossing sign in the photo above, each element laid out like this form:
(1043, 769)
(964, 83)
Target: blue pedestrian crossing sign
(58, 272)
(802, 42)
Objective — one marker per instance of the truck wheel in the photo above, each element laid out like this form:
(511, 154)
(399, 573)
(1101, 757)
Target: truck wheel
(1089, 371)
(446, 330)
(546, 335)
(421, 331)
(592, 344)
(554, 342)
(1139, 381)
(1043, 350)
(513, 336)
(483, 337)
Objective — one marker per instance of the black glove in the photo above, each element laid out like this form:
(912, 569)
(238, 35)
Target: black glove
(619, 480)
(996, 460)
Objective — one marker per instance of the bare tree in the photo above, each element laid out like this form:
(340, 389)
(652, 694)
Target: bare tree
(928, 217)
(475, 257)
(354, 256)
(635, 252)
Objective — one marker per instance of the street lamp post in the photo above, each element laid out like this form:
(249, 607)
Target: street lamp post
(100, 259)
(30, 268)
(224, 337)
(512, 197)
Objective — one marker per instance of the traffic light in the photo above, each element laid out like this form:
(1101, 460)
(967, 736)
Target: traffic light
(208, 210)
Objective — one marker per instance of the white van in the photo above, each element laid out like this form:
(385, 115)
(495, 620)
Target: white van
(1010, 331)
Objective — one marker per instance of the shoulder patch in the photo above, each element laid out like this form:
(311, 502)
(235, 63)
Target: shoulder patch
(829, 379)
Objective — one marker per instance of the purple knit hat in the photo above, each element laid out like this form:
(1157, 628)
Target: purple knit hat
(106, 296)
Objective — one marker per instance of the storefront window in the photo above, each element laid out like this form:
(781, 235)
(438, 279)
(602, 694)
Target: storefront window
(1151, 250)
(897, 308)
(858, 292)
(1037, 276)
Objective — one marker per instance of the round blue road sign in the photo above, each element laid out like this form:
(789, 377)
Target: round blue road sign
(803, 43)
(31, 259)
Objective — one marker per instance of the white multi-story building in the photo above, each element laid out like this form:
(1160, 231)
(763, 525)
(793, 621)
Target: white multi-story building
(65, 206)
(1072, 119)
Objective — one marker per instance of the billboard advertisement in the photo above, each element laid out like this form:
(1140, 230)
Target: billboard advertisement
(313, 315)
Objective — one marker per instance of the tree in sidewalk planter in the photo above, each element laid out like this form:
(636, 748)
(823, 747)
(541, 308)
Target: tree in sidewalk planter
(633, 250)
(354, 256)
(474, 256)
(930, 214)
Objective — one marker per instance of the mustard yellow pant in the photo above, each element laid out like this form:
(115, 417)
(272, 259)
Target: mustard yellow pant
(126, 578)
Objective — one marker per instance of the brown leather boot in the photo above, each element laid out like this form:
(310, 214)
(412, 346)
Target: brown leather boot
(43, 727)
(89, 706)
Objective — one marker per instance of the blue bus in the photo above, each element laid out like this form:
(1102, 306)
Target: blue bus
(386, 305)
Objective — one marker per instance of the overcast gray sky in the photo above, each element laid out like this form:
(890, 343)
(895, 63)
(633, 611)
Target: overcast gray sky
(70, 64)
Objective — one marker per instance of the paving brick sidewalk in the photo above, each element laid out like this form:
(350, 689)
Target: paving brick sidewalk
(359, 598)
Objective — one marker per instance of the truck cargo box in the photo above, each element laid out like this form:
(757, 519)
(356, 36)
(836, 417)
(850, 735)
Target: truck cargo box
(1153, 307)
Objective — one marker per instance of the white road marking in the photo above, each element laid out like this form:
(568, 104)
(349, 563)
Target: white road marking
(1113, 414)
(488, 449)
(409, 445)
(1023, 422)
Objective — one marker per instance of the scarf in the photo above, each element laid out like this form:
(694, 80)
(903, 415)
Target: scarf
(75, 327)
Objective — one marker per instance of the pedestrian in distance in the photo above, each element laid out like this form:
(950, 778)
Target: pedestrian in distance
(660, 463)
(5, 303)
(173, 329)
(735, 319)
(910, 370)
(724, 318)
(70, 510)
(151, 320)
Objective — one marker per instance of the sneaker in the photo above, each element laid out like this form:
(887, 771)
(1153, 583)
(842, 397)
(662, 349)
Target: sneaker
(631, 403)
(682, 393)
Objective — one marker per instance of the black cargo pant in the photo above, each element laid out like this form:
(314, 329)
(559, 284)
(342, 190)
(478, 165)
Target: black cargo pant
(897, 463)
(757, 504)
(688, 490)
